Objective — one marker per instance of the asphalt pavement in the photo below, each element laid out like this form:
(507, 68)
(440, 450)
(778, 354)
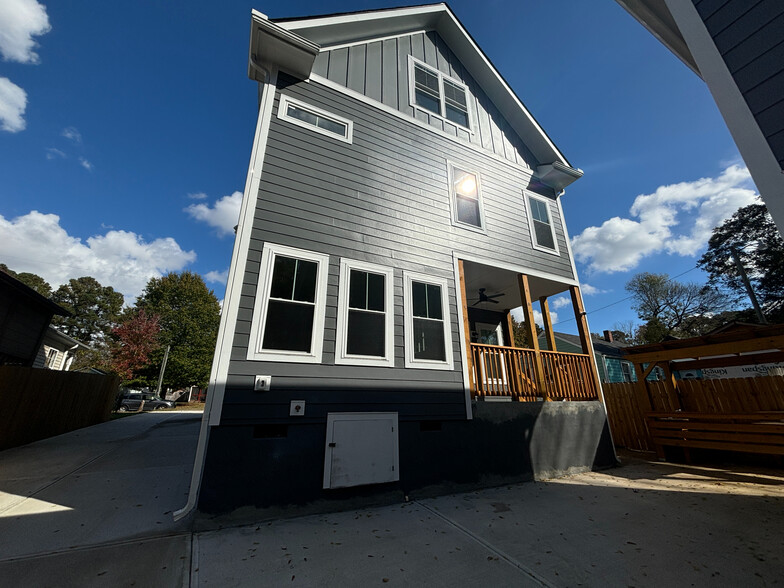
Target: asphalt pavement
(94, 508)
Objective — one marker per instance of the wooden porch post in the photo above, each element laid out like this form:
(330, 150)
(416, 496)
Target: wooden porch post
(510, 328)
(530, 329)
(548, 324)
(585, 336)
(467, 329)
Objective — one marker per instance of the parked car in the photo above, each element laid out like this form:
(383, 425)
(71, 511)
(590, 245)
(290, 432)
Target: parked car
(132, 400)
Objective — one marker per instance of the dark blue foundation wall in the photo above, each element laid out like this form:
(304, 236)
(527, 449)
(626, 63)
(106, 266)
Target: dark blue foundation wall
(265, 466)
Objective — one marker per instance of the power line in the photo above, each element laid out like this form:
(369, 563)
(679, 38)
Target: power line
(568, 320)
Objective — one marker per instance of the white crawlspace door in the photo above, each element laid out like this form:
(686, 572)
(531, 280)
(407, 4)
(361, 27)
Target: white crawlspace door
(362, 448)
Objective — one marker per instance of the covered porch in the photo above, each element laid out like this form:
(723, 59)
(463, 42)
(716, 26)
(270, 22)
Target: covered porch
(497, 368)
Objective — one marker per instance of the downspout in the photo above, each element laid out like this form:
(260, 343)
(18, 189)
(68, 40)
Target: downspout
(204, 432)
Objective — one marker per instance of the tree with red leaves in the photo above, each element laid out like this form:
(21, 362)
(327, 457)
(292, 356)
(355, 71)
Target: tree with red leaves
(135, 339)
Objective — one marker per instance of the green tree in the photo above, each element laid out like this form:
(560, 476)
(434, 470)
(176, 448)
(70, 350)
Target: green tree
(189, 315)
(521, 335)
(667, 306)
(95, 310)
(752, 233)
(34, 281)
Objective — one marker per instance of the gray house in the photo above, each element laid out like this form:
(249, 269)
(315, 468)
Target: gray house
(400, 200)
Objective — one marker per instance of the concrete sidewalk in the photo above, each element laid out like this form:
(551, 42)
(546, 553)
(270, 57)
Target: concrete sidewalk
(94, 509)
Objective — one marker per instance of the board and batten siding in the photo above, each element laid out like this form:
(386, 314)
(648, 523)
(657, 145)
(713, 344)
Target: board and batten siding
(379, 70)
(382, 199)
(750, 39)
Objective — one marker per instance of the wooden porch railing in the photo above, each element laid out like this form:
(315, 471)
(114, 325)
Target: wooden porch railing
(511, 371)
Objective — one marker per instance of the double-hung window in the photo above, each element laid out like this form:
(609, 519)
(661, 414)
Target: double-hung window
(365, 327)
(288, 318)
(466, 198)
(431, 90)
(541, 225)
(315, 119)
(427, 326)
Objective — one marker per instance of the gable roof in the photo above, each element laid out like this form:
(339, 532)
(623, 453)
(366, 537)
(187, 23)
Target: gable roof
(300, 35)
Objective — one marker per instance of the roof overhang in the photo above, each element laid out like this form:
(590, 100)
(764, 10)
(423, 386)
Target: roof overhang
(273, 44)
(557, 175)
(656, 17)
(53, 336)
(339, 29)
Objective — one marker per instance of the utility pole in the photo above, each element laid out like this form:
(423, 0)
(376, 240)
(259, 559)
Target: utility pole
(747, 283)
(163, 369)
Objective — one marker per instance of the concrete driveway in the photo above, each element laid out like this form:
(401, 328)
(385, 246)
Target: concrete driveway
(93, 508)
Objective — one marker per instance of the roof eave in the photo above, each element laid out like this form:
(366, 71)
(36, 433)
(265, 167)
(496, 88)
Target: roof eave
(271, 44)
(656, 17)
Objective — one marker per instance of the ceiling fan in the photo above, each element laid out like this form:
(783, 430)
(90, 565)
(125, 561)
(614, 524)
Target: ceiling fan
(487, 297)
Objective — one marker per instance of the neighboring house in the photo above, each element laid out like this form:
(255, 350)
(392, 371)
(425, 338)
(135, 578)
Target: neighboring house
(24, 321)
(609, 357)
(400, 201)
(738, 49)
(57, 351)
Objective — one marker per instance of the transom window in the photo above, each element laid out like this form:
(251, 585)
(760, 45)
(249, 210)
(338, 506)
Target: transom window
(427, 325)
(289, 315)
(541, 225)
(315, 119)
(433, 91)
(466, 199)
(365, 314)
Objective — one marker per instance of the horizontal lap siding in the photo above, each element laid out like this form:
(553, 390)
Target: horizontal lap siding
(379, 70)
(383, 199)
(750, 38)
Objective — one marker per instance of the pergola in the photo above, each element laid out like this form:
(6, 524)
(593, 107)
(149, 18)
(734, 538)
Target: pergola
(738, 344)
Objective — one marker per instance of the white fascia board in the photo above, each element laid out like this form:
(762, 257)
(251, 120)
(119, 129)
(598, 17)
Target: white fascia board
(273, 45)
(494, 85)
(655, 16)
(341, 29)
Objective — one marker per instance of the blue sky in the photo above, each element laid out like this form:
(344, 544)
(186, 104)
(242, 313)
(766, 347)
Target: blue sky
(125, 135)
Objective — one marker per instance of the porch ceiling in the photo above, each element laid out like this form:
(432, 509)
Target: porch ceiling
(496, 280)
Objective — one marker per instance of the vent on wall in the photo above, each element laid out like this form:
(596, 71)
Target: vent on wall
(273, 431)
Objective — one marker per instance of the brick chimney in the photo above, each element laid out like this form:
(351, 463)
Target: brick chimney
(608, 336)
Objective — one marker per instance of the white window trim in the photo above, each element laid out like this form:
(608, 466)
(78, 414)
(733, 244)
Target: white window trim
(429, 364)
(482, 228)
(341, 355)
(255, 352)
(532, 228)
(283, 115)
(441, 96)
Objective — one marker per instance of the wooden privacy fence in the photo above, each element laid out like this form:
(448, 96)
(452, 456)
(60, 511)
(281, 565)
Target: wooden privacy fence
(39, 403)
(627, 404)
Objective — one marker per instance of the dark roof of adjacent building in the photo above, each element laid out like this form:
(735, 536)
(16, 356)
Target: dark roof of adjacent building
(11, 284)
(610, 348)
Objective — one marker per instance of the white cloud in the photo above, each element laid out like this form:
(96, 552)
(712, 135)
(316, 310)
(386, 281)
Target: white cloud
(54, 153)
(13, 102)
(85, 164)
(20, 21)
(676, 219)
(517, 313)
(223, 216)
(197, 196)
(588, 290)
(73, 134)
(37, 243)
(559, 302)
(217, 277)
